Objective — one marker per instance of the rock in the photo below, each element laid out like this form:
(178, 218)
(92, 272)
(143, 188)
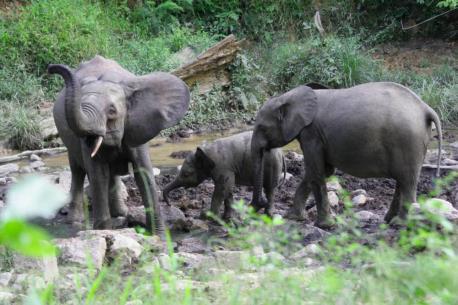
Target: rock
(367, 216)
(358, 192)
(156, 171)
(5, 279)
(173, 216)
(81, 251)
(192, 245)
(34, 157)
(185, 133)
(454, 144)
(48, 128)
(3, 181)
(9, 168)
(294, 156)
(311, 250)
(124, 248)
(65, 180)
(333, 199)
(152, 243)
(165, 262)
(26, 170)
(234, 260)
(333, 186)
(195, 261)
(359, 200)
(7, 297)
(197, 224)
(313, 234)
(439, 207)
(288, 176)
(136, 216)
(46, 266)
(36, 164)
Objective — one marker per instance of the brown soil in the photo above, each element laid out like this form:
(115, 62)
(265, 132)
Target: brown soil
(421, 56)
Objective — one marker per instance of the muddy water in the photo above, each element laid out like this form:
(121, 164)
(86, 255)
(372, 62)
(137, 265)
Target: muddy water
(161, 149)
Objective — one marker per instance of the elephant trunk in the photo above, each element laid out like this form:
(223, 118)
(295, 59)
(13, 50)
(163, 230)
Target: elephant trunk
(76, 119)
(257, 154)
(170, 187)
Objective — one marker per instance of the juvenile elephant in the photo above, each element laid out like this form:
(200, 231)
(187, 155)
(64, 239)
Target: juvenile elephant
(105, 116)
(227, 162)
(378, 129)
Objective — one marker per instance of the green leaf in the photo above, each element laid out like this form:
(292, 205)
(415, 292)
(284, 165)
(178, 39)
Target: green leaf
(25, 239)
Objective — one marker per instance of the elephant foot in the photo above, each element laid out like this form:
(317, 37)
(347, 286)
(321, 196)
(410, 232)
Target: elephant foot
(326, 223)
(103, 224)
(296, 214)
(397, 222)
(389, 216)
(119, 209)
(75, 216)
(259, 205)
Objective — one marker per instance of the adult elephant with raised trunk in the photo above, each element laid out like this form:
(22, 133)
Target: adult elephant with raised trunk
(378, 129)
(105, 116)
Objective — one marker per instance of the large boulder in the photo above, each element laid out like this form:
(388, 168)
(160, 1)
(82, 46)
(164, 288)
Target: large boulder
(9, 168)
(82, 252)
(43, 266)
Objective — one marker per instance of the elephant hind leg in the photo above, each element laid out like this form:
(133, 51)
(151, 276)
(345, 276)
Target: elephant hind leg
(404, 195)
(394, 207)
(298, 210)
(116, 200)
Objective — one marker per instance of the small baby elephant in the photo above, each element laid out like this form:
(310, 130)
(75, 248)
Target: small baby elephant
(227, 162)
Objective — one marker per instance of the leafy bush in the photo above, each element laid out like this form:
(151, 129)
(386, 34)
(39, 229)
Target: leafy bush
(332, 61)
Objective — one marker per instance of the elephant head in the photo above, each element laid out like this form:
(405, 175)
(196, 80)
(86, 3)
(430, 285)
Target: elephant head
(110, 106)
(278, 122)
(195, 169)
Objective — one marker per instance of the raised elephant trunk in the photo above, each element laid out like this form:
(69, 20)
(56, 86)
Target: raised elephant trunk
(76, 119)
(257, 154)
(170, 187)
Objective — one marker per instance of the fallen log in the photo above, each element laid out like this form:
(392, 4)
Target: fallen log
(26, 154)
(209, 69)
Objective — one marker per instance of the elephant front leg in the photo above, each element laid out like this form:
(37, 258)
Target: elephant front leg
(117, 205)
(99, 178)
(144, 177)
(324, 219)
(76, 212)
(222, 192)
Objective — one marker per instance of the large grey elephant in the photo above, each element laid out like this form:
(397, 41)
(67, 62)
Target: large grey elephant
(227, 162)
(378, 129)
(105, 115)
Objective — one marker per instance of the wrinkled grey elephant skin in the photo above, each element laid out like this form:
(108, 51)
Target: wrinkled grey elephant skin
(227, 162)
(378, 129)
(105, 116)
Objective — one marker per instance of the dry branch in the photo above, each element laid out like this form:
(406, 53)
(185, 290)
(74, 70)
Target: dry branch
(210, 67)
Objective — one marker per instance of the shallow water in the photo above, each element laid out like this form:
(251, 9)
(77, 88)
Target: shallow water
(160, 149)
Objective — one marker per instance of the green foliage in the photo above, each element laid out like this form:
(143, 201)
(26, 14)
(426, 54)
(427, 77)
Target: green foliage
(19, 125)
(334, 62)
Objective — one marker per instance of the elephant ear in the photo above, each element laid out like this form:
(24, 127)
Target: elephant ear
(155, 101)
(297, 109)
(203, 162)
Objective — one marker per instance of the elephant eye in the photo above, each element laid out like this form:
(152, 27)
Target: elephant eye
(112, 111)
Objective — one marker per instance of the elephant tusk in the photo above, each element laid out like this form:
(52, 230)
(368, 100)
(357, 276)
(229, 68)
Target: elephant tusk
(97, 146)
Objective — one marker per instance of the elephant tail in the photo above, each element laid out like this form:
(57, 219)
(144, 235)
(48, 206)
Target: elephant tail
(432, 116)
(284, 169)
